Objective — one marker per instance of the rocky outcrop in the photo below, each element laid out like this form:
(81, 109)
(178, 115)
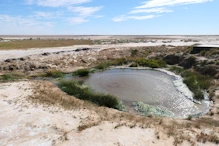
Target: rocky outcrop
(173, 59)
(188, 62)
(210, 70)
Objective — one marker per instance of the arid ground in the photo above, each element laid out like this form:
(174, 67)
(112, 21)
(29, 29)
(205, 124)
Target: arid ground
(37, 112)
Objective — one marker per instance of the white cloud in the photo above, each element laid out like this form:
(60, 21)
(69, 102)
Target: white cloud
(7, 20)
(98, 16)
(153, 10)
(77, 20)
(84, 11)
(79, 13)
(56, 3)
(125, 17)
(155, 6)
(161, 3)
(23, 25)
(47, 15)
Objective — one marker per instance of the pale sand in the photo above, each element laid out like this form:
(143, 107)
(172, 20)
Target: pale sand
(8, 54)
(24, 123)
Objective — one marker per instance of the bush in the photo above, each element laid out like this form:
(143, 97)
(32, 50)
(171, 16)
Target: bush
(188, 62)
(118, 62)
(189, 117)
(11, 77)
(134, 52)
(101, 99)
(82, 72)
(7, 77)
(54, 73)
(151, 63)
(103, 65)
(133, 65)
(196, 83)
(176, 69)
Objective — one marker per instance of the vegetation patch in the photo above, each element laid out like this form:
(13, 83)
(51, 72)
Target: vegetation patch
(54, 73)
(102, 66)
(147, 110)
(82, 72)
(151, 63)
(194, 80)
(134, 62)
(11, 77)
(26, 44)
(72, 88)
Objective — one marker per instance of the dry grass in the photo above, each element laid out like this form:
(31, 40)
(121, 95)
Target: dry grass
(26, 44)
(88, 125)
(205, 137)
(48, 93)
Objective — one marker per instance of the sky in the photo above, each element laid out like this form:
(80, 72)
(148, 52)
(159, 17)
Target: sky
(109, 17)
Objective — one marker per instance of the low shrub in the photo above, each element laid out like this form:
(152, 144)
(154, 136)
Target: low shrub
(102, 65)
(54, 73)
(133, 65)
(11, 77)
(82, 72)
(6, 77)
(72, 88)
(134, 52)
(176, 69)
(118, 62)
(196, 83)
(151, 63)
(189, 117)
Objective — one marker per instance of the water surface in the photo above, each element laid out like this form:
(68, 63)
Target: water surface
(149, 86)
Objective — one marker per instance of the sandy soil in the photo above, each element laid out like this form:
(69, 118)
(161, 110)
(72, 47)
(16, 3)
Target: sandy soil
(24, 123)
(8, 54)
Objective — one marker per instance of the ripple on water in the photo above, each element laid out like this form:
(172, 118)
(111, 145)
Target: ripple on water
(152, 87)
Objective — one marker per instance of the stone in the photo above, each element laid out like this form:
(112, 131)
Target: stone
(172, 59)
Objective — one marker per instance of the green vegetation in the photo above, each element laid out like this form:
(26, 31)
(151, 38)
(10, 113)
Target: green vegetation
(151, 63)
(102, 66)
(134, 52)
(196, 83)
(209, 52)
(11, 77)
(176, 69)
(189, 117)
(54, 73)
(82, 72)
(72, 88)
(134, 63)
(194, 80)
(26, 44)
(147, 110)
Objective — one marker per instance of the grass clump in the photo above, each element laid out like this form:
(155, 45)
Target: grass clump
(54, 73)
(103, 65)
(176, 69)
(196, 83)
(133, 65)
(11, 77)
(194, 80)
(72, 88)
(82, 72)
(189, 117)
(151, 63)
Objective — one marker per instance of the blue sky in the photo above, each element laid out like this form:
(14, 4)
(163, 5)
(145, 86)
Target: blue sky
(109, 17)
